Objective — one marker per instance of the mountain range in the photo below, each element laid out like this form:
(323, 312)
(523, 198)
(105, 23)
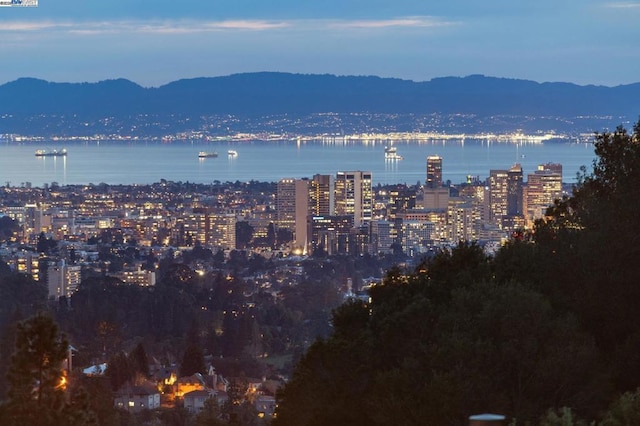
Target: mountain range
(265, 94)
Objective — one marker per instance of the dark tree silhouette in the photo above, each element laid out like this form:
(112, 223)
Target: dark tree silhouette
(37, 380)
(140, 360)
(193, 357)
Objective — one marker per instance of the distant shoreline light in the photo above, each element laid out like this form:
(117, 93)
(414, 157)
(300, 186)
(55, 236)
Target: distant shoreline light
(366, 138)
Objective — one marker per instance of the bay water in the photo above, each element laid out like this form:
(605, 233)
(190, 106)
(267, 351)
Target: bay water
(140, 162)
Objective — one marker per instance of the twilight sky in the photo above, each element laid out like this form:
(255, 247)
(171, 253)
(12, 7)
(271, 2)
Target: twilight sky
(153, 42)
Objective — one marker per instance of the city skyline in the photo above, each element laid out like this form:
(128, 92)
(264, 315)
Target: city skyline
(153, 43)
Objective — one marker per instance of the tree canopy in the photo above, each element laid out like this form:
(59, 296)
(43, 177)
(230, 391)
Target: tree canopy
(549, 322)
(37, 379)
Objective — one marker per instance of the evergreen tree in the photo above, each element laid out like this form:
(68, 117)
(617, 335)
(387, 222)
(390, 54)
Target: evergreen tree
(36, 378)
(139, 358)
(589, 248)
(192, 361)
(193, 358)
(119, 370)
(439, 344)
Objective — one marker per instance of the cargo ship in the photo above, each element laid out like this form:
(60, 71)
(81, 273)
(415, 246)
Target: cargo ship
(53, 153)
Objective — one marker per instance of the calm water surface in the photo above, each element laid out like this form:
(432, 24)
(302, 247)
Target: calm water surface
(148, 162)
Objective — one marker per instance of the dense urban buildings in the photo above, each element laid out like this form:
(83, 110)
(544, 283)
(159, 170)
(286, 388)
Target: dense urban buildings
(343, 213)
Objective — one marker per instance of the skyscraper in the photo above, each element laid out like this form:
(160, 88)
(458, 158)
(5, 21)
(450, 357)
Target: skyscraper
(434, 172)
(434, 195)
(543, 187)
(321, 195)
(354, 196)
(286, 203)
(505, 196)
(293, 207)
(498, 195)
(514, 191)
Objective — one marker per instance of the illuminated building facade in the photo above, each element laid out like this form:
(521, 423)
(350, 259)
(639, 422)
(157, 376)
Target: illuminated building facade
(543, 187)
(222, 231)
(330, 234)
(514, 191)
(293, 206)
(354, 196)
(434, 172)
(63, 279)
(463, 219)
(321, 195)
(506, 197)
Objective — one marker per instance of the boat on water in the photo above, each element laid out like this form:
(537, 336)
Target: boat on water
(205, 154)
(52, 153)
(232, 153)
(391, 153)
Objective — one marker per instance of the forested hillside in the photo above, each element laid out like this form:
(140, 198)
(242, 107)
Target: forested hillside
(546, 331)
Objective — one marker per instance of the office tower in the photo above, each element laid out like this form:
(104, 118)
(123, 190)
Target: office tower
(506, 197)
(329, 234)
(543, 187)
(354, 196)
(498, 182)
(381, 238)
(514, 191)
(463, 219)
(293, 207)
(434, 172)
(286, 203)
(401, 199)
(416, 236)
(434, 195)
(321, 195)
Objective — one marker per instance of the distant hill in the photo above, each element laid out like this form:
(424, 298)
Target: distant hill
(268, 93)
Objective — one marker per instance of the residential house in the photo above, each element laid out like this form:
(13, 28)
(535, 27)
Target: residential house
(137, 398)
(188, 384)
(194, 400)
(265, 404)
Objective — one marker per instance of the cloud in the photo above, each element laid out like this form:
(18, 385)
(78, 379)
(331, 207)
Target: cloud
(203, 26)
(20, 26)
(157, 27)
(623, 5)
(416, 21)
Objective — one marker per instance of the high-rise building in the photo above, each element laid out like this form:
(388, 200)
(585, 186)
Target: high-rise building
(498, 195)
(505, 196)
(63, 279)
(543, 187)
(222, 231)
(514, 191)
(401, 199)
(286, 203)
(321, 195)
(416, 236)
(434, 172)
(381, 238)
(329, 234)
(293, 206)
(463, 220)
(434, 195)
(354, 196)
